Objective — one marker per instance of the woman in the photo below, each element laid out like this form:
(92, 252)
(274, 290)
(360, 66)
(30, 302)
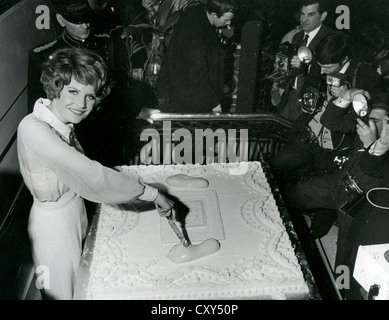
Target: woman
(60, 176)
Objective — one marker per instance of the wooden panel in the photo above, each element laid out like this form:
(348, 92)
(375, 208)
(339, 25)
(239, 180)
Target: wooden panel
(10, 121)
(10, 182)
(18, 35)
(15, 253)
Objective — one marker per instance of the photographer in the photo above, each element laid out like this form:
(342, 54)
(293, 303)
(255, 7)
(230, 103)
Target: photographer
(328, 193)
(326, 128)
(312, 15)
(370, 224)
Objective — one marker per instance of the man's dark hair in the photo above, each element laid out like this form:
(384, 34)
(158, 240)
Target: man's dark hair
(380, 101)
(220, 7)
(332, 48)
(323, 7)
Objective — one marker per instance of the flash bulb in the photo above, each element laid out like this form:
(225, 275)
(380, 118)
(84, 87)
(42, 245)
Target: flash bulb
(304, 54)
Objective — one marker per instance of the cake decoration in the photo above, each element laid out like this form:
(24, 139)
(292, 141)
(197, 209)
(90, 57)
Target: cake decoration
(184, 181)
(255, 260)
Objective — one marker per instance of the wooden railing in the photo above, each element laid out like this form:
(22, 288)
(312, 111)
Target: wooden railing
(262, 133)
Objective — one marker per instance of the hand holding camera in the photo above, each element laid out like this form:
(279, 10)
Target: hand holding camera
(351, 95)
(384, 138)
(367, 132)
(295, 62)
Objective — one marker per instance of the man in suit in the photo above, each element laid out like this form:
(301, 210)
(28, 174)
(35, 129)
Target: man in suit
(326, 129)
(192, 75)
(329, 192)
(312, 15)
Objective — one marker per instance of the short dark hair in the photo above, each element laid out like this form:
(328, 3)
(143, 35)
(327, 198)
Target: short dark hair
(323, 7)
(380, 101)
(332, 48)
(84, 65)
(221, 7)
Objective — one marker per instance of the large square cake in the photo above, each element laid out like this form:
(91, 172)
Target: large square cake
(256, 259)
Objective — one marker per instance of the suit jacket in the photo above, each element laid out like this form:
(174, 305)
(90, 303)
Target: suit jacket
(191, 79)
(324, 30)
(289, 106)
(376, 166)
(298, 38)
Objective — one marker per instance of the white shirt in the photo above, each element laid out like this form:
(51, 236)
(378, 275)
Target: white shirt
(312, 34)
(51, 165)
(378, 149)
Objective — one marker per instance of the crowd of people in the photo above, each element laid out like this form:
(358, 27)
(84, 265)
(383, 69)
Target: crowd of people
(79, 92)
(338, 102)
(83, 82)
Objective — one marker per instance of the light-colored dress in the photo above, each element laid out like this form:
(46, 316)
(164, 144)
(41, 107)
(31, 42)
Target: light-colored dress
(59, 176)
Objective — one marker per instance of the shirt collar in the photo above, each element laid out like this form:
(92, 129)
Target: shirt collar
(42, 112)
(312, 34)
(345, 67)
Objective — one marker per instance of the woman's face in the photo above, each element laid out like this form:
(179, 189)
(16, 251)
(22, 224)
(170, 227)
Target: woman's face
(76, 101)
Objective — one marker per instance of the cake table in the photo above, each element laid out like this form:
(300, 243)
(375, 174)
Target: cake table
(125, 253)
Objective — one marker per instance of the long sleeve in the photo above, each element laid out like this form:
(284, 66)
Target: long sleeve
(338, 119)
(374, 165)
(49, 166)
(193, 71)
(200, 71)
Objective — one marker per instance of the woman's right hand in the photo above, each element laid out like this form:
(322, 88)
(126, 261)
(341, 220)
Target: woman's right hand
(164, 205)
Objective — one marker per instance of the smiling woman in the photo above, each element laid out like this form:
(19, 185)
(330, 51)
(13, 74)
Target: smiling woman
(75, 84)
(59, 175)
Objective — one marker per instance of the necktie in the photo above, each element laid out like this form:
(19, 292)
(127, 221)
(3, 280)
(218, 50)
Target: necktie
(305, 40)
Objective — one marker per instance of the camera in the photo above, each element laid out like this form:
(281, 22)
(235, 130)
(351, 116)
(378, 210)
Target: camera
(351, 185)
(282, 67)
(312, 95)
(357, 195)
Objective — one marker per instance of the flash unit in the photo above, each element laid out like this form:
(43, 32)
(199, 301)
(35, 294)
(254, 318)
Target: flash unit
(336, 79)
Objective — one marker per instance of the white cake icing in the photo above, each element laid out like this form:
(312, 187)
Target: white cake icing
(256, 259)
